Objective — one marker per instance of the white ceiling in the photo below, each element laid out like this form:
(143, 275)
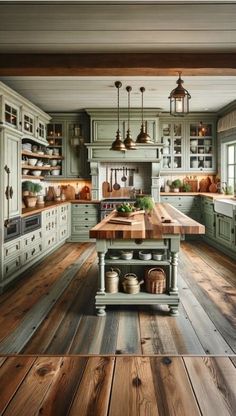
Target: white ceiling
(75, 93)
(114, 27)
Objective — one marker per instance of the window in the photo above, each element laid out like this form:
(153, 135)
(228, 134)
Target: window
(231, 165)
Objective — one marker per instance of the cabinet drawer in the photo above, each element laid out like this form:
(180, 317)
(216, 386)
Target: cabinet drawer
(50, 240)
(11, 266)
(49, 214)
(50, 225)
(12, 249)
(63, 209)
(32, 238)
(84, 219)
(32, 252)
(84, 208)
(80, 228)
(63, 233)
(63, 218)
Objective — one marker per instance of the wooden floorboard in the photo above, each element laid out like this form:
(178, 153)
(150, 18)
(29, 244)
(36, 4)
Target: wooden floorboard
(118, 386)
(52, 311)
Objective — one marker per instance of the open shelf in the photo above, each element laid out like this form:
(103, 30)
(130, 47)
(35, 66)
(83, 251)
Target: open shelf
(138, 262)
(32, 177)
(36, 155)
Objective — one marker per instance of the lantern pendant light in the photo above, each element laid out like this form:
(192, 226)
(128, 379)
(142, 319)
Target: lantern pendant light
(118, 144)
(128, 142)
(143, 137)
(179, 99)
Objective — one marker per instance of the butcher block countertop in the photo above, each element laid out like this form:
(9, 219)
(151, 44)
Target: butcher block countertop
(150, 226)
(207, 194)
(36, 210)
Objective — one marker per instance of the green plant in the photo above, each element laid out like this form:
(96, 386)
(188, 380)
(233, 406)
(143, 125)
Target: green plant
(176, 184)
(186, 187)
(146, 202)
(31, 187)
(125, 207)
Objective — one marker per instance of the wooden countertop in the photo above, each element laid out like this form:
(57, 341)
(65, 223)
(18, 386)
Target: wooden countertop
(31, 211)
(149, 227)
(208, 194)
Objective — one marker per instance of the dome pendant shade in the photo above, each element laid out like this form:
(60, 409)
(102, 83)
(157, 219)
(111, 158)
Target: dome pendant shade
(143, 136)
(118, 144)
(128, 142)
(179, 99)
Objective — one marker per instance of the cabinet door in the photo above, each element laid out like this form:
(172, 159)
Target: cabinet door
(11, 144)
(11, 115)
(41, 130)
(28, 123)
(224, 230)
(201, 146)
(209, 222)
(76, 156)
(172, 137)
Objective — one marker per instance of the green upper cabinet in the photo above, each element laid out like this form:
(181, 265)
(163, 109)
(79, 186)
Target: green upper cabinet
(189, 143)
(103, 124)
(69, 132)
(172, 138)
(201, 146)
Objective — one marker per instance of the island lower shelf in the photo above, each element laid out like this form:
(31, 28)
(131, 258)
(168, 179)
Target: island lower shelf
(141, 298)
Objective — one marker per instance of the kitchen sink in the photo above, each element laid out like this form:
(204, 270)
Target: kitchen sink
(225, 206)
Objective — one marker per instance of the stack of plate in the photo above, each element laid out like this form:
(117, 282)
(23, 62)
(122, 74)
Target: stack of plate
(27, 146)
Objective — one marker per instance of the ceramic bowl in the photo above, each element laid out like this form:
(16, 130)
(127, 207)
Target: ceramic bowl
(25, 171)
(55, 172)
(201, 150)
(126, 255)
(32, 162)
(49, 152)
(36, 172)
(39, 163)
(53, 162)
(157, 255)
(114, 256)
(145, 255)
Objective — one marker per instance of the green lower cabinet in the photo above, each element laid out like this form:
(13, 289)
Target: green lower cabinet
(225, 231)
(209, 222)
(83, 218)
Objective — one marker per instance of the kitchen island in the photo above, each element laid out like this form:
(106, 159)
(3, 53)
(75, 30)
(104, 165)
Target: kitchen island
(160, 230)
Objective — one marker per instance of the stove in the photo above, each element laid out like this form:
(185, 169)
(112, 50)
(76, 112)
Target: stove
(108, 205)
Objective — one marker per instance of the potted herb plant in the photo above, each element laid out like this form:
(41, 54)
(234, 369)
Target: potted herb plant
(29, 192)
(186, 187)
(145, 202)
(176, 185)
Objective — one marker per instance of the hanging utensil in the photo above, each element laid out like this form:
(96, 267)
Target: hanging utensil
(131, 177)
(124, 178)
(105, 185)
(110, 187)
(116, 186)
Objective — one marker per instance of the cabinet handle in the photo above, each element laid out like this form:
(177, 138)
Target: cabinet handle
(232, 231)
(33, 251)
(6, 251)
(17, 246)
(11, 192)
(33, 238)
(6, 269)
(17, 263)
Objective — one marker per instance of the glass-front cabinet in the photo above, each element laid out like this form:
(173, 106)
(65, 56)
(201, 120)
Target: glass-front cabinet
(28, 123)
(173, 146)
(11, 115)
(201, 146)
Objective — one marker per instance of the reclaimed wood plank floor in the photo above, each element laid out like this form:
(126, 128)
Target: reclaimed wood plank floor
(51, 309)
(118, 386)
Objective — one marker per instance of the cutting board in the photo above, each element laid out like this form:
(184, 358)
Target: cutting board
(68, 191)
(213, 188)
(205, 184)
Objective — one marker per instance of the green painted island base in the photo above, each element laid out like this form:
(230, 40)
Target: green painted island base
(169, 243)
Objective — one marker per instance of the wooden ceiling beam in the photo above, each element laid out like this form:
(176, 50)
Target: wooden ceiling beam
(125, 64)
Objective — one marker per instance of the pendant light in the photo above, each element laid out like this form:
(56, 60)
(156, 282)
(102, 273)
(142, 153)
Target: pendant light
(128, 142)
(179, 99)
(118, 144)
(143, 137)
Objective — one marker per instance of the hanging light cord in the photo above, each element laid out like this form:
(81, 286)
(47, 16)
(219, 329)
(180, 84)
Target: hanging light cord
(142, 89)
(118, 85)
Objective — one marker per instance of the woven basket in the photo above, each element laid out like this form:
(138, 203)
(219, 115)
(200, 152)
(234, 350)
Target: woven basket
(155, 280)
